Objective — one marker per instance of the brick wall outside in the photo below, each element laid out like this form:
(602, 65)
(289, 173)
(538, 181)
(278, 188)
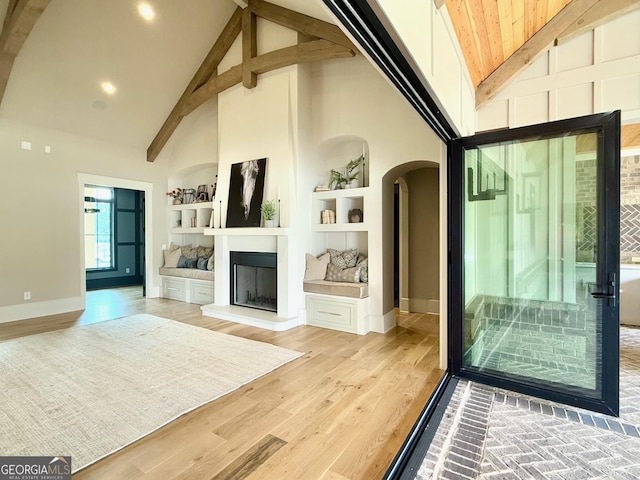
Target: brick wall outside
(629, 208)
(629, 211)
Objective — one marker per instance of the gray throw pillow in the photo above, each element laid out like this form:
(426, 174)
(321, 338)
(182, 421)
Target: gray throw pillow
(346, 259)
(337, 274)
(192, 262)
(202, 263)
(182, 263)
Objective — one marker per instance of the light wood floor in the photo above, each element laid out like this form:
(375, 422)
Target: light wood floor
(339, 412)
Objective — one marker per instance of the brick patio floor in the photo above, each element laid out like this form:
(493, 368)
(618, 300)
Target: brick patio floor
(488, 433)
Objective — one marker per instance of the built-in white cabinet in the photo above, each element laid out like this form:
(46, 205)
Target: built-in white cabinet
(337, 313)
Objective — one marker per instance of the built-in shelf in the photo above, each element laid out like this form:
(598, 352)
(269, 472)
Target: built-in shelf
(182, 216)
(341, 202)
(247, 231)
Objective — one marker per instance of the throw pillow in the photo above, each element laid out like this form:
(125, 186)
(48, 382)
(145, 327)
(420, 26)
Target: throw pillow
(202, 263)
(192, 262)
(205, 252)
(364, 268)
(337, 274)
(316, 268)
(346, 259)
(174, 246)
(171, 258)
(210, 263)
(189, 252)
(182, 263)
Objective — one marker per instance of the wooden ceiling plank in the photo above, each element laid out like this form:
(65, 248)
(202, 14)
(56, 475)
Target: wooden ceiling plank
(249, 48)
(517, 8)
(479, 23)
(494, 32)
(506, 27)
(23, 18)
(464, 31)
(208, 68)
(530, 50)
(602, 12)
(630, 136)
(300, 22)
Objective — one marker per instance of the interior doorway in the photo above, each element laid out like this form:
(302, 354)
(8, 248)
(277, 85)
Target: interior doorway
(114, 237)
(142, 210)
(416, 240)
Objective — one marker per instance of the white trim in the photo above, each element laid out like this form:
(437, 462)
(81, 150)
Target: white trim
(24, 311)
(405, 304)
(382, 323)
(251, 317)
(424, 305)
(152, 291)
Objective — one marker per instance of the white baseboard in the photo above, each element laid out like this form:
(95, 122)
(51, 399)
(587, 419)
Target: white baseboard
(23, 311)
(423, 305)
(382, 323)
(405, 304)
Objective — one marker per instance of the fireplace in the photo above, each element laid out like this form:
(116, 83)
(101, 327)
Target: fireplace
(254, 280)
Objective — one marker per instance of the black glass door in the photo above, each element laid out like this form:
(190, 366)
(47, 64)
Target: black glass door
(535, 260)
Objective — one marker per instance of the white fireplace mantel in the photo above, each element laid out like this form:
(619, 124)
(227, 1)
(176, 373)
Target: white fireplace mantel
(250, 231)
(249, 239)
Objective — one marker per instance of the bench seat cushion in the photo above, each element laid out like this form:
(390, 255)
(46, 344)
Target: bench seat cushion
(188, 273)
(342, 289)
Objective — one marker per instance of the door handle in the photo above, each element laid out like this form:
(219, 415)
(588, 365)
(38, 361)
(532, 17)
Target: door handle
(611, 287)
(602, 295)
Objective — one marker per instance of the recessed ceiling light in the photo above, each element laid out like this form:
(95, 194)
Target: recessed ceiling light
(108, 88)
(146, 11)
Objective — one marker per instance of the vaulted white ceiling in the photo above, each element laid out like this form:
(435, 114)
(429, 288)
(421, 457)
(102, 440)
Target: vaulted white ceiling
(78, 44)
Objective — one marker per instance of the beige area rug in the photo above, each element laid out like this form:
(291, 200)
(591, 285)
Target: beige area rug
(89, 391)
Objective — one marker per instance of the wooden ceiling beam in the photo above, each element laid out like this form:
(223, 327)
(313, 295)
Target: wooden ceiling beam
(602, 12)
(19, 20)
(22, 16)
(249, 48)
(213, 87)
(439, 3)
(207, 69)
(300, 22)
(540, 42)
(329, 43)
(313, 51)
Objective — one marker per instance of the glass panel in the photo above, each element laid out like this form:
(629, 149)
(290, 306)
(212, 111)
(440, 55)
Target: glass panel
(256, 287)
(98, 228)
(530, 225)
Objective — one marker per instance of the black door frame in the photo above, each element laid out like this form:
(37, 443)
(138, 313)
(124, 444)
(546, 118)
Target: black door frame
(368, 25)
(608, 259)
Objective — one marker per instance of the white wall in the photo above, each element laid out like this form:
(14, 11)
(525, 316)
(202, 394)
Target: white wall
(40, 250)
(349, 97)
(429, 37)
(597, 71)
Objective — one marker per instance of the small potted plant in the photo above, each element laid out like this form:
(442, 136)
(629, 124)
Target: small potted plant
(351, 172)
(268, 209)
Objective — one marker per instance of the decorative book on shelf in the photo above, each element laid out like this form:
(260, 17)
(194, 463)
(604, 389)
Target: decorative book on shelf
(328, 216)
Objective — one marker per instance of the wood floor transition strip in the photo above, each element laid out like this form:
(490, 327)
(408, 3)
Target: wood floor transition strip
(249, 461)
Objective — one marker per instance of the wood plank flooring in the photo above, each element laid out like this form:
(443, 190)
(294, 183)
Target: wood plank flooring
(340, 412)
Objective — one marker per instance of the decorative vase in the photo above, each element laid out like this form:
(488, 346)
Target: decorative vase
(269, 223)
(177, 201)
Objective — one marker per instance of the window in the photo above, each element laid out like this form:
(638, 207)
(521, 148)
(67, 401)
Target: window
(98, 228)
